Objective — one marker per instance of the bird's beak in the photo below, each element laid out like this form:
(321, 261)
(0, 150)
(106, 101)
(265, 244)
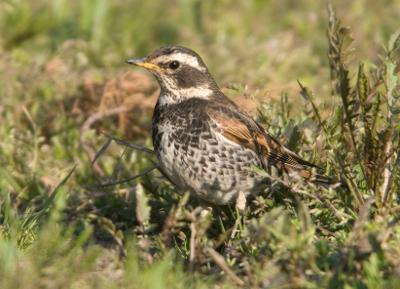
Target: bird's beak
(143, 63)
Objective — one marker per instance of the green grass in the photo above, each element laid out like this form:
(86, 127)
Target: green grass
(62, 225)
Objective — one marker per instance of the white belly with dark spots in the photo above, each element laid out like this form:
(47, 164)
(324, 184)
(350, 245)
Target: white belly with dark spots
(216, 170)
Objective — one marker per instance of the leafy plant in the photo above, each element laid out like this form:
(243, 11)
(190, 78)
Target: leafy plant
(114, 222)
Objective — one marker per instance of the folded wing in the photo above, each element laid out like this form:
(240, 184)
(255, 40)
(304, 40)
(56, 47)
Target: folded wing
(243, 130)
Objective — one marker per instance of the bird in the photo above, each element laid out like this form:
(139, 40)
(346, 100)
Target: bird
(204, 142)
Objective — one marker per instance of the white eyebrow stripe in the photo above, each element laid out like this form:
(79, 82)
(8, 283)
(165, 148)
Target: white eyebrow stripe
(187, 59)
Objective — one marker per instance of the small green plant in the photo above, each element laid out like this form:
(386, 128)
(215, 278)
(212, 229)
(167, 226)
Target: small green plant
(80, 208)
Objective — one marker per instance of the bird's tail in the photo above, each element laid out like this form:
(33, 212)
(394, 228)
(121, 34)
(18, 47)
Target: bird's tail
(323, 180)
(314, 177)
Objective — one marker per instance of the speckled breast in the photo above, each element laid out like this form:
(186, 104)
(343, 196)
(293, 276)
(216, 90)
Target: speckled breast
(196, 157)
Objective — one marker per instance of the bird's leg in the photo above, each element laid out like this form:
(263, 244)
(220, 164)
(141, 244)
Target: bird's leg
(241, 202)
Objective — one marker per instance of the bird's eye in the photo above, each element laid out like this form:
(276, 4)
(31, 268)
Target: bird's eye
(174, 64)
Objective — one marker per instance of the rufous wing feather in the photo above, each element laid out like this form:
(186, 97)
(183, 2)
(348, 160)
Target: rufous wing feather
(243, 130)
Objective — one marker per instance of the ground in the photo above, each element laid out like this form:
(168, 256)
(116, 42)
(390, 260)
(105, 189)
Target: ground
(74, 119)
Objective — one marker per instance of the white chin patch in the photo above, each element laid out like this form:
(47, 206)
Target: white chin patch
(198, 92)
(185, 94)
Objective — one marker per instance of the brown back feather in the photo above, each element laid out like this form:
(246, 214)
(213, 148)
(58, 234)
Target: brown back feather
(243, 130)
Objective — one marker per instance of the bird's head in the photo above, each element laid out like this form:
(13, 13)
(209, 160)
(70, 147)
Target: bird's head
(181, 74)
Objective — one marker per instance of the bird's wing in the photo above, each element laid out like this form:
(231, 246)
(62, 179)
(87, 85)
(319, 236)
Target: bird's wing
(243, 130)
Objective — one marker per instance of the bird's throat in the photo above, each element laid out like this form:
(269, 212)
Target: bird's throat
(173, 96)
